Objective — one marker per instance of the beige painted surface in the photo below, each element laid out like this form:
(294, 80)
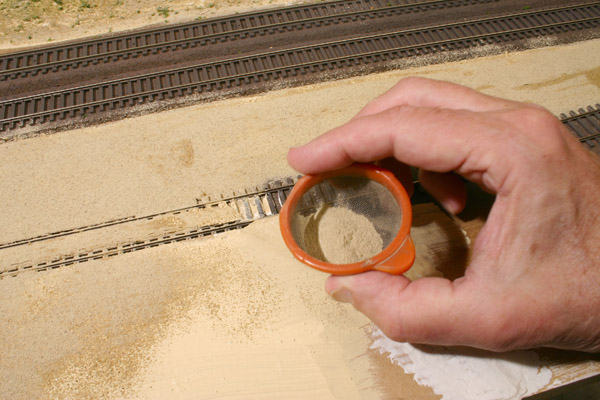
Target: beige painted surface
(233, 315)
(164, 161)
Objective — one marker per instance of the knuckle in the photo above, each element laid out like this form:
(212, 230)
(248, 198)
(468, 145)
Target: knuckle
(535, 120)
(538, 120)
(544, 131)
(541, 117)
(411, 83)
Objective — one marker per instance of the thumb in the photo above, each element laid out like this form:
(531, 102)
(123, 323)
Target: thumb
(427, 310)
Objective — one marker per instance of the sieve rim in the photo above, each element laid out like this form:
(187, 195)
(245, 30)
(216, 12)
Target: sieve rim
(401, 260)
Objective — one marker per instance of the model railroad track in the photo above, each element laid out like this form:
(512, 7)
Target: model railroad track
(253, 73)
(254, 204)
(260, 202)
(202, 33)
(585, 125)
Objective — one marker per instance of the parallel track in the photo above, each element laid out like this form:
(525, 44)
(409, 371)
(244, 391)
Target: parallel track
(257, 203)
(242, 74)
(585, 125)
(202, 33)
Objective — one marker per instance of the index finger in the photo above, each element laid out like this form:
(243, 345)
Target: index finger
(425, 92)
(434, 139)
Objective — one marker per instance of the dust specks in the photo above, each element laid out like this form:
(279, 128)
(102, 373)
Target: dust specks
(234, 292)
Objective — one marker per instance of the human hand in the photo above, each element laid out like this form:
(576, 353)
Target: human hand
(534, 278)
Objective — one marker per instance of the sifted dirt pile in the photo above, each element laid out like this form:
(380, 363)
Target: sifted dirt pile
(340, 236)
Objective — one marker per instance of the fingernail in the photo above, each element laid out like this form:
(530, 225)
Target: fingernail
(451, 206)
(338, 287)
(343, 295)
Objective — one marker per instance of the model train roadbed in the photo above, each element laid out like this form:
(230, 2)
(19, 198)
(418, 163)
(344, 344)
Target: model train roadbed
(112, 99)
(239, 210)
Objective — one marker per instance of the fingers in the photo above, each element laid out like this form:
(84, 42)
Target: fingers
(424, 92)
(428, 310)
(447, 188)
(433, 139)
(401, 171)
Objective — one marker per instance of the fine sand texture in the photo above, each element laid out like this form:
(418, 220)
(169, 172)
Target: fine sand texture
(234, 316)
(165, 161)
(338, 235)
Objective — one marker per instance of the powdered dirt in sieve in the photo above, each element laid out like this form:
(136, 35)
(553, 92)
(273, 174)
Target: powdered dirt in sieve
(340, 236)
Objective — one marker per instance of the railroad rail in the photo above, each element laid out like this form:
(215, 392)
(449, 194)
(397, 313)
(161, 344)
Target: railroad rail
(260, 202)
(585, 125)
(202, 33)
(243, 75)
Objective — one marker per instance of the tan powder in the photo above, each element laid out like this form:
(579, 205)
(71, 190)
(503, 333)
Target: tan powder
(340, 236)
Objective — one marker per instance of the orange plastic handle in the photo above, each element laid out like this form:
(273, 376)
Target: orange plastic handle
(395, 259)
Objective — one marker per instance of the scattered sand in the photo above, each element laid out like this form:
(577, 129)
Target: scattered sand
(338, 235)
(235, 316)
(116, 236)
(97, 322)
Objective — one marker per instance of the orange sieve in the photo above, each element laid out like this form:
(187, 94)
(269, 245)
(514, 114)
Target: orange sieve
(370, 227)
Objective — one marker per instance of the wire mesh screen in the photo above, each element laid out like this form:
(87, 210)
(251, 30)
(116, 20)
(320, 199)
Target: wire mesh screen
(346, 219)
